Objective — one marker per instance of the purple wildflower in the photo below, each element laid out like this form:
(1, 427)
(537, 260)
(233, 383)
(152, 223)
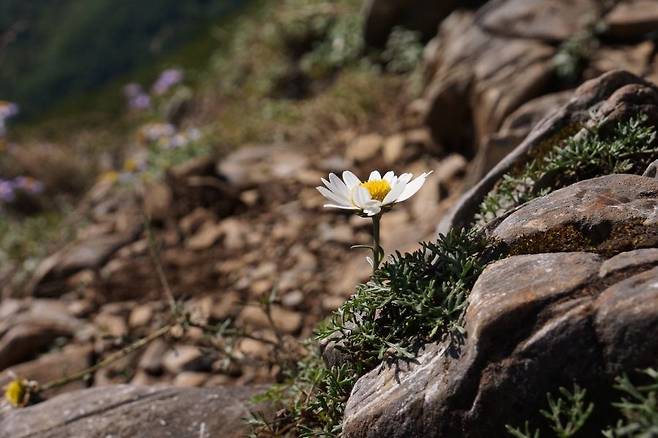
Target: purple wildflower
(167, 79)
(7, 191)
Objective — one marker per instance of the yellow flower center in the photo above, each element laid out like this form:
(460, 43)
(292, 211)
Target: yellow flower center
(378, 188)
(15, 392)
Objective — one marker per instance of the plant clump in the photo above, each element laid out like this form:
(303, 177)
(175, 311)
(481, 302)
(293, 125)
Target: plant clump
(629, 148)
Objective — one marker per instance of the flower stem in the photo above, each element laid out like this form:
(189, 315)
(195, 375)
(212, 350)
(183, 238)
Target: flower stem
(377, 250)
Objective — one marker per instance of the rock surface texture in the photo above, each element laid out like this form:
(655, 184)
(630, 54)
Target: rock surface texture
(133, 411)
(534, 322)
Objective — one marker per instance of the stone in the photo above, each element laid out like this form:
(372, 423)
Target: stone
(534, 323)
(393, 148)
(157, 201)
(381, 16)
(651, 170)
(112, 325)
(605, 101)
(140, 316)
(478, 79)
(632, 19)
(52, 366)
(635, 59)
(608, 214)
(186, 358)
(364, 148)
(136, 411)
(151, 360)
(88, 254)
(283, 319)
(550, 20)
(190, 379)
(629, 260)
(206, 237)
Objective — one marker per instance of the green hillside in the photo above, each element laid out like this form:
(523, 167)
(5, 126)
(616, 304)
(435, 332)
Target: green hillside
(55, 48)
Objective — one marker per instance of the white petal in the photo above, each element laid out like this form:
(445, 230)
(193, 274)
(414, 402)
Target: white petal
(406, 177)
(412, 187)
(340, 187)
(332, 196)
(361, 197)
(372, 208)
(350, 180)
(389, 177)
(370, 262)
(343, 207)
(374, 175)
(395, 192)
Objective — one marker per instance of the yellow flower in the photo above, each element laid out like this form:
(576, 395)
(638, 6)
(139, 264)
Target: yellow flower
(16, 392)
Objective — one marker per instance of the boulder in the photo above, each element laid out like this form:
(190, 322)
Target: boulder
(534, 323)
(605, 101)
(478, 79)
(550, 20)
(381, 16)
(609, 214)
(632, 19)
(134, 411)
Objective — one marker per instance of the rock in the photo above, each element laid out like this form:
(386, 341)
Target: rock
(250, 166)
(632, 19)
(140, 316)
(513, 131)
(285, 320)
(550, 20)
(186, 358)
(607, 214)
(87, 254)
(629, 260)
(151, 360)
(381, 16)
(206, 237)
(393, 148)
(603, 102)
(157, 200)
(31, 330)
(190, 379)
(534, 323)
(635, 59)
(478, 80)
(135, 411)
(51, 366)
(364, 148)
(652, 170)
(111, 325)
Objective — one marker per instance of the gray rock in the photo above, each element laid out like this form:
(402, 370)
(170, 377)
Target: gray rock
(478, 79)
(534, 323)
(551, 20)
(629, 260)
(381, 16)
(609, 214)
(605, 101)
(134, 411)
(632, 19)
(652, 170)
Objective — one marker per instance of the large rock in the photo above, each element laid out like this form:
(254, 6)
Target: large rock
(478, 79)
(92, 254)
(632, 19)
(607, 215)
(134, 411)
(605, 101)
(381, 16)
(551, 20)
(534, 323)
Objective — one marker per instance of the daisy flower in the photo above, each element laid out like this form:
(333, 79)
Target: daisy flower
(371, 197)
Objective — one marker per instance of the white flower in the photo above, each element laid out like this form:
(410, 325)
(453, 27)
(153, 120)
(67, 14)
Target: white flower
(371, 196)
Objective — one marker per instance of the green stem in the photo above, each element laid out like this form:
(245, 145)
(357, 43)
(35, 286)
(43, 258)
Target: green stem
(377, 250)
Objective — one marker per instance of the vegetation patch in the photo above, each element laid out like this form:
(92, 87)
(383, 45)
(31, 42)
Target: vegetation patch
(412, 299)
(629, 148)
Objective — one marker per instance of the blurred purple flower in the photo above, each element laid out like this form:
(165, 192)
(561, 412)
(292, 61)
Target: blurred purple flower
(28, 184)
(132, 89)
(8, 109)
(140, 102)
(7, 191)
(167, 79)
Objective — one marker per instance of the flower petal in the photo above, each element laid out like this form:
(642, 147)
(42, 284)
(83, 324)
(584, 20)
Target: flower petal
(406, 177)
(389, 177)
(351, 180)
(374, 175)
(413, 187)
(342, 207)
(372, 208)
(340, 187)
(332, 196)
(395, 192)
(361, 197)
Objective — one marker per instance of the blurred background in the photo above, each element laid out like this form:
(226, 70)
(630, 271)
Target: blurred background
(189, 135)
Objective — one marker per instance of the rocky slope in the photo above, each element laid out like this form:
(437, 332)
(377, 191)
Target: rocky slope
(573, 301)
